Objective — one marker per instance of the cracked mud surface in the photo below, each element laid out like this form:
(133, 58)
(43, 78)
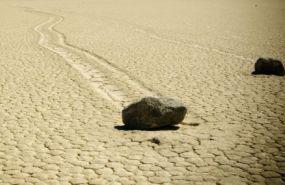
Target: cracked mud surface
(67, 71)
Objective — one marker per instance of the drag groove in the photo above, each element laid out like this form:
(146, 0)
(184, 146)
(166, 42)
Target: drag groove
(153, 35)
(192, 45)
(101, 75)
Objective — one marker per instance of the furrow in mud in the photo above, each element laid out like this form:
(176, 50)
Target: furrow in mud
(108, 81)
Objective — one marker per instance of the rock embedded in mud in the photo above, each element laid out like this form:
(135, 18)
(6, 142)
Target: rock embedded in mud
(155, 140)
(269, 66)
(152, 113)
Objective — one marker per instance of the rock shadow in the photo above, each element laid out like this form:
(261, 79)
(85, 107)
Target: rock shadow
(166, 128)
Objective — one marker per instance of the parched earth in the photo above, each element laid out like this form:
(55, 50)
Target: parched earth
(61, 99)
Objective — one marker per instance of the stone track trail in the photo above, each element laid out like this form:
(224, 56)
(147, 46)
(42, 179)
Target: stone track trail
(107, 80)
(153, 35)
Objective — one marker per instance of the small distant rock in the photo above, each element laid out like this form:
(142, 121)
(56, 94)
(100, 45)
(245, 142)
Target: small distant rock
(155, 140)
(194, 124)
(269, 66)
(152, 113)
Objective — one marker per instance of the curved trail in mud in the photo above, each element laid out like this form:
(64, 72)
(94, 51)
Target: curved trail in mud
(193, 45)
(153, 35)
(112, 83)
(107, 80)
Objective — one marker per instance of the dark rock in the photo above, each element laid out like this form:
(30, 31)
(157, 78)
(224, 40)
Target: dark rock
(194, 124)
(155, 140)
(152, 113)
(269, 67)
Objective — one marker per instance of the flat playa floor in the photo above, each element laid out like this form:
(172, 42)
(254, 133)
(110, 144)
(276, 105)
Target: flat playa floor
(68, 67)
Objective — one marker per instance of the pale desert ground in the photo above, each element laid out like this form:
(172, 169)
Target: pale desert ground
(68, 67)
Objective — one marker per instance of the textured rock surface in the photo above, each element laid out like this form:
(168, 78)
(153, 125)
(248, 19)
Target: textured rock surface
(149, 113)
(269, 66)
